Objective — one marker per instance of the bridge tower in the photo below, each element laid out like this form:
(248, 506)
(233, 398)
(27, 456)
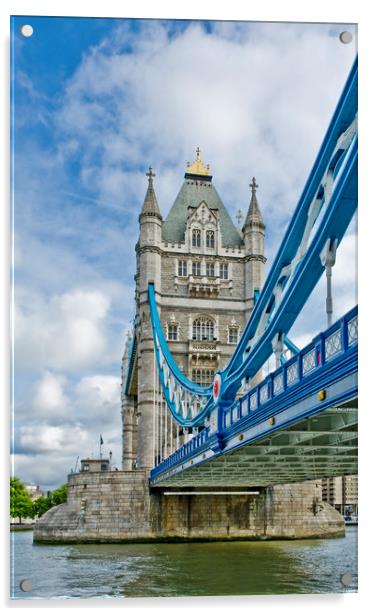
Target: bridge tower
(205, 272)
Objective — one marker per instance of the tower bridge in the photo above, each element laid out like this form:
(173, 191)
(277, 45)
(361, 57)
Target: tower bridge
(200, 419)
(299, 423)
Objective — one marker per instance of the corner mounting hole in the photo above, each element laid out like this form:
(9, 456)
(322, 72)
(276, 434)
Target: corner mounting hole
(346, 579)
(345, 37)
(27, 30)
(25, 585)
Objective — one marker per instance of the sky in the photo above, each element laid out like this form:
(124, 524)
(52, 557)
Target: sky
(96, 101)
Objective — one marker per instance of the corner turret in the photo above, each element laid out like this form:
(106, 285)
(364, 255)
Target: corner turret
(148, 246)
(254, 219)
(150, 206)
(253, 235)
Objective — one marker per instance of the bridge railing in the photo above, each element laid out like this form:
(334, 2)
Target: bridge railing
(324, 349)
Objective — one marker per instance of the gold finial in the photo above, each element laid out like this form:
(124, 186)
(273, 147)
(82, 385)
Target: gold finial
(254, 186)
(198, 167)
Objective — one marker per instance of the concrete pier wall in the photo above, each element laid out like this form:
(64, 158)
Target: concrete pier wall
(117, 507)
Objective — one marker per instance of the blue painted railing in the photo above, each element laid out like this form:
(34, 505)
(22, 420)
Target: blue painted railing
(330, 346)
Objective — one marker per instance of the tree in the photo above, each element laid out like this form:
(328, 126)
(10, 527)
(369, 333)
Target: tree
(43, 504)
(59, 495)
(21, 505)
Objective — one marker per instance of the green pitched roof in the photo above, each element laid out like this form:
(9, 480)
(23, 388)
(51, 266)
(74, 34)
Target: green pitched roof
(191, 194)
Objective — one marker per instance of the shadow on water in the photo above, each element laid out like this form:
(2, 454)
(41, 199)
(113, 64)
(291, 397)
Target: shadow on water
(184, 569)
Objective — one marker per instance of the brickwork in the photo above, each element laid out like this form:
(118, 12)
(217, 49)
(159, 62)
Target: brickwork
(221, 289)
(117, 507)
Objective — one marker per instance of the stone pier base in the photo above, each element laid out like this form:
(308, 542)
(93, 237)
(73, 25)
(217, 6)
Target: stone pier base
(118, 507)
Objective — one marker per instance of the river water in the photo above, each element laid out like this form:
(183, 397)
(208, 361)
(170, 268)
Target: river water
(183, 569)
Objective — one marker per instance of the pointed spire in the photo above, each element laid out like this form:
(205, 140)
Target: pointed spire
(253, 214)
(150, 207)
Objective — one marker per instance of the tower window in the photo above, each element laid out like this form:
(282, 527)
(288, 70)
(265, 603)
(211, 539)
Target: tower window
(210, 269)
(171, 331)
(196, 268)
(202, 376)
(224, 271)
(196, 238)
(203, 329)
(210, 239)
(233, 335)
(182, 268)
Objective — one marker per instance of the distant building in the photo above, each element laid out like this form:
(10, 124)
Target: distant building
(341, 493)
(34, 491)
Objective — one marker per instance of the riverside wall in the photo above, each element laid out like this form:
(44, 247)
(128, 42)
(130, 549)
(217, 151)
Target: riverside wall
(117, 506)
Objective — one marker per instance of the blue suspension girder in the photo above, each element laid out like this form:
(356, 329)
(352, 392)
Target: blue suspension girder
(324, 211)
(186, 400)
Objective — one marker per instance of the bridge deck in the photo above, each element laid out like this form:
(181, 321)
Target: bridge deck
(293, 426)
(321, 446)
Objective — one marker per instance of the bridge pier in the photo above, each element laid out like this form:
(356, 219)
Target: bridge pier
(118, 507)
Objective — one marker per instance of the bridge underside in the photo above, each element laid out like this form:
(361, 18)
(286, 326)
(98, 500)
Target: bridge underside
(324, 445)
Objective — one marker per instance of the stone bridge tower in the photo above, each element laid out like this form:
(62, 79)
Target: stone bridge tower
(206, 272)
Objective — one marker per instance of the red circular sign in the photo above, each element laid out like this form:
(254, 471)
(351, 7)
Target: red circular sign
(216, 386)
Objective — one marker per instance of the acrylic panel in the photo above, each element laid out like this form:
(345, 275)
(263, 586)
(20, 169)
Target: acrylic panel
(184, 198)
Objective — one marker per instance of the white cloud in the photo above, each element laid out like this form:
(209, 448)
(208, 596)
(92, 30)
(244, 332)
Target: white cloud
(49, 397)
(64, 420)
(66, 332)
(99, 396)
(45, 438)
(257, 104)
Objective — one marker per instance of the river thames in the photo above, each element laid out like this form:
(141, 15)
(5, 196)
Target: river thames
(183, 569)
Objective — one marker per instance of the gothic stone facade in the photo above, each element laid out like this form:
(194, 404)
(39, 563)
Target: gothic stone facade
(205, 272)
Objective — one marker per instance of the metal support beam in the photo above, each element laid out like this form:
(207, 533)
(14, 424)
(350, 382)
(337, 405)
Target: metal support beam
(328, 257)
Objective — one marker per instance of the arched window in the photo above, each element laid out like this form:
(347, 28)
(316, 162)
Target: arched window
(210, 239)
(172, 331)
(196, 238)
(203, 329)
(233, 334)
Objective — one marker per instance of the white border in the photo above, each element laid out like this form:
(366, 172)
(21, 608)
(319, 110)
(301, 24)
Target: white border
(270, 10)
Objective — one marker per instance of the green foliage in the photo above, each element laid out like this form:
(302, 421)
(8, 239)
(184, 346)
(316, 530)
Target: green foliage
(21, 505)
(43, 504)
(59, 495)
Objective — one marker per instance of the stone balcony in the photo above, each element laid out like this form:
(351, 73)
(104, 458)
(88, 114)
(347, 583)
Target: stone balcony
(204, 350)
(203, 286)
